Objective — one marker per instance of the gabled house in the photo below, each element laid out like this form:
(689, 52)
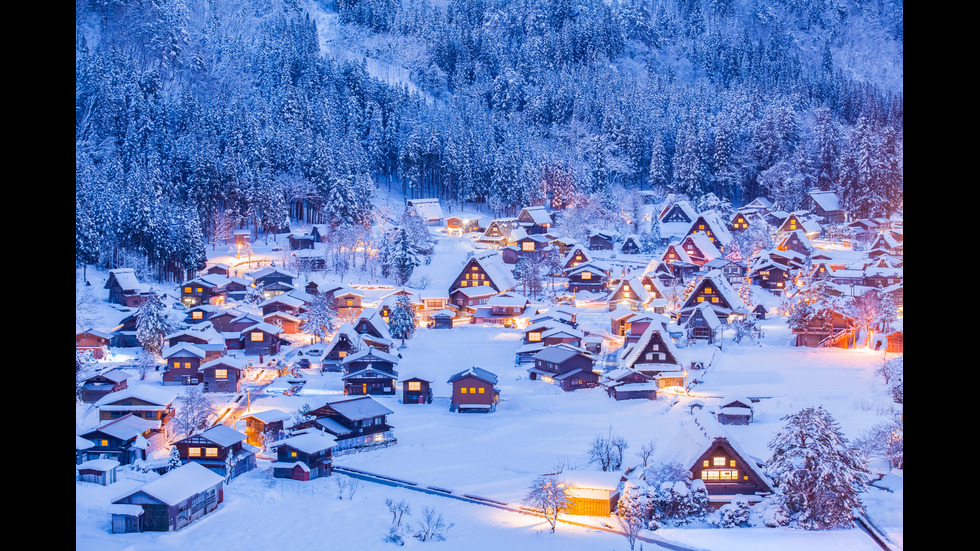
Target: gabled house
(799, 221)
(298, 242)
(735, 411)
(264, 277)
(221, 449)
(524, 245)
(741, 221)
(264, 424)
(93, 341)
(355, 422)
(459, 226)
(502, 309)
(700, 248)
(702, 323)
(711, 224)
(474, 389)
(676, 253)
(734, 271)
(768, 273)
(223, 375)
(261, 339)
(125, 289)
(796, 241)
(305, 456)
(201, 313)
(574, 258)
(601, 240)
(206, 289)
(587, 277)
(153, 403)
(631, 245)
(535, 220)
(168, 503)
(758, 206)
(655, 356)
(568, 367)
(835, 330)
(678, 211)
(283, 303)
(98, 386)
(182, 362)
(124, 439)
(428, 210)
(629, 384)
(416, 391)
(345, 341)
(369, 371)
(715, 291)
(825, 205)
(484, 269)
(499, 231)
(290, 324)
(203, 336)
(631, 293)
(373, 330)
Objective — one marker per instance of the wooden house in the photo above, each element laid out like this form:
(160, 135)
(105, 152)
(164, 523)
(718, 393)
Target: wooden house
(825, 205)
(575, 257)
(568, 367)
(182, 362)
(98, 471)
(218, 268)
(98, 386)
(601, 241)
(889, 242)
(894, 342)
(168, 503)
(766, 272)
(262, 423)
(299, 242)
(290, 324)
(715, 291)
(261, 339)
(223, 375)
(836, 330)
(373, 330)
(675, 253)
(468, 299)
(206, 289)
(740, 221)
(202, 336)
(501, 309)
(640, 322)
(735, 411)
(459, 226)
(703, 445)
(678, 211)
(499, 231)
(535, 220)
(356, 422)
(264, 277)
(630, 292)
(283, 303)
(592, 493)
(524, 245)
(629, 384)
(124, 334)
(125, 289)
(587, 277)
(345, 341)
(201, 313)
(221, 449)
(799, 220)
(655, 356)
(443, 319)
(305, 456)
(93, 341)
(474, 389)
(124, 439)
(631, 245)
(620, 320)
(153, 403)
(702, 323)
(416, 391)
(369, 371)
(484, 269)
(348, 303)
(700, 249)
(428, 210)
(710, 224)
(758, 206)
(796, 241)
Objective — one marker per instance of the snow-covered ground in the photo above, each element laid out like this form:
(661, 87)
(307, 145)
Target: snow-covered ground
(497, 455)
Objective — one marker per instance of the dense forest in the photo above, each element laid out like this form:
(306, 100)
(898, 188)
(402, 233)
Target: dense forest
(195, 117)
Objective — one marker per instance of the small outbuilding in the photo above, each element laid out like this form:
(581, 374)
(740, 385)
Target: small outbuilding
(474, 389)
(98, 471)
(170, 502)
(416, 391)
(592, 493)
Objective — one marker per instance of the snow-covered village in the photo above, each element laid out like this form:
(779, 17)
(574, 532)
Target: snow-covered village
(467, 275)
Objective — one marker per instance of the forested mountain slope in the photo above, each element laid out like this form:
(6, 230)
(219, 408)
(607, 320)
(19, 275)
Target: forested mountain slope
(196, 116)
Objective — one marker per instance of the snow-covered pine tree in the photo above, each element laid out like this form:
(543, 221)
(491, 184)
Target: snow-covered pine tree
(818, 478)
(632, 512)
(153, 323)
(405, 259)
(320, 318)
(402, 321)
(173, 461)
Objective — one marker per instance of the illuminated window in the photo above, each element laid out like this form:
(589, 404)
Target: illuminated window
(586, 275)
(414, 385)
(481, 390)
(475, 268)
(718, 474)
(731, 463)
(187, 289)
(350, 302)
(292, 454)
(463, 283)
(199, 290)
(700, 299)
(176, 365)
(527, 246)
(472, 390)
(466, 276)
(714, 299)
(486, 283)
(700, 226)
(707, 290)
(104, 443)
(197, 315)
(462, 390)
(194, 452)
(211, 452)
(342, 353)
(704, 463)
(534, 336)
(187, 365)
(257, 336)
(718, 461)
(220, 373)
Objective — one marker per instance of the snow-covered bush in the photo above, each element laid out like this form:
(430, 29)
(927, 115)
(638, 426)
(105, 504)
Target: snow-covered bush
(733, 514)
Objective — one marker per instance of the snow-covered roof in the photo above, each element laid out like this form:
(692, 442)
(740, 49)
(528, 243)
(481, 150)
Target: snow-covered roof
(362, 407)
(428, 209)
(182, 349)
(370, 351)
(493, 265)
(269, 415)
(149, 393)
(223, 435)
(179, 484)
(595, 480)
(307, 442)
(126, 278)
(125, 428)
(703, 243)
(826, 200)
(101, 464)
(538, 214)
(556, 354)
(477, 372)
(654, 329)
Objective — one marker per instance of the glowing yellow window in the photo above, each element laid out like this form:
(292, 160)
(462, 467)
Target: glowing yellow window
(256, 336)
(731, 463)
(463, 283)
(481, 390)
(342, 353)
(704, 463)
(714, 299)
(211, 452)
(475, 268)
(176, 365)
(586, 275)
(462, 390)
(194, 452)
(472, 390)
(220, 373)
(707, 290)
(197, 315)
(700, 226)
(486, 283)
(292, 454)
(104, 443)
(350, 302)
(533, 336)
(414, 385)
(718, 461)
(527, 246)
(187, 289)
(466, 276)
(187, 365)
(700, 299)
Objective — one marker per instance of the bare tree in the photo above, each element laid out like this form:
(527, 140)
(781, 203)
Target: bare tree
(397, 510)
(608, 451)
(431, 526)
(192, 411)
(346, 487)
(549, 493)
(646, 451)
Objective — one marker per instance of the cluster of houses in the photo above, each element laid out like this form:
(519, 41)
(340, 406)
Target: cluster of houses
(689, 293)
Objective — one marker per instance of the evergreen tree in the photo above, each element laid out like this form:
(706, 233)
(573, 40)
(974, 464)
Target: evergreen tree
(153, 323)
(320, 318)
(174, 459)
(402, 321)
(405, 260)
(817, 476)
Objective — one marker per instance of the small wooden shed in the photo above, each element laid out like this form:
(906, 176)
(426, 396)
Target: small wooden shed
(416, 391)
(443, 319)
(98, 471)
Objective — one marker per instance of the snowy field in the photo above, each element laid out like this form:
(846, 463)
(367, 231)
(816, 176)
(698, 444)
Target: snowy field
(498, 455)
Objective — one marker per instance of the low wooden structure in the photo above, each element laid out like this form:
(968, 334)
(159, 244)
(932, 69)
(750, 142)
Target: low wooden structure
(169, 503)
(474, 389)
(416, 391)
